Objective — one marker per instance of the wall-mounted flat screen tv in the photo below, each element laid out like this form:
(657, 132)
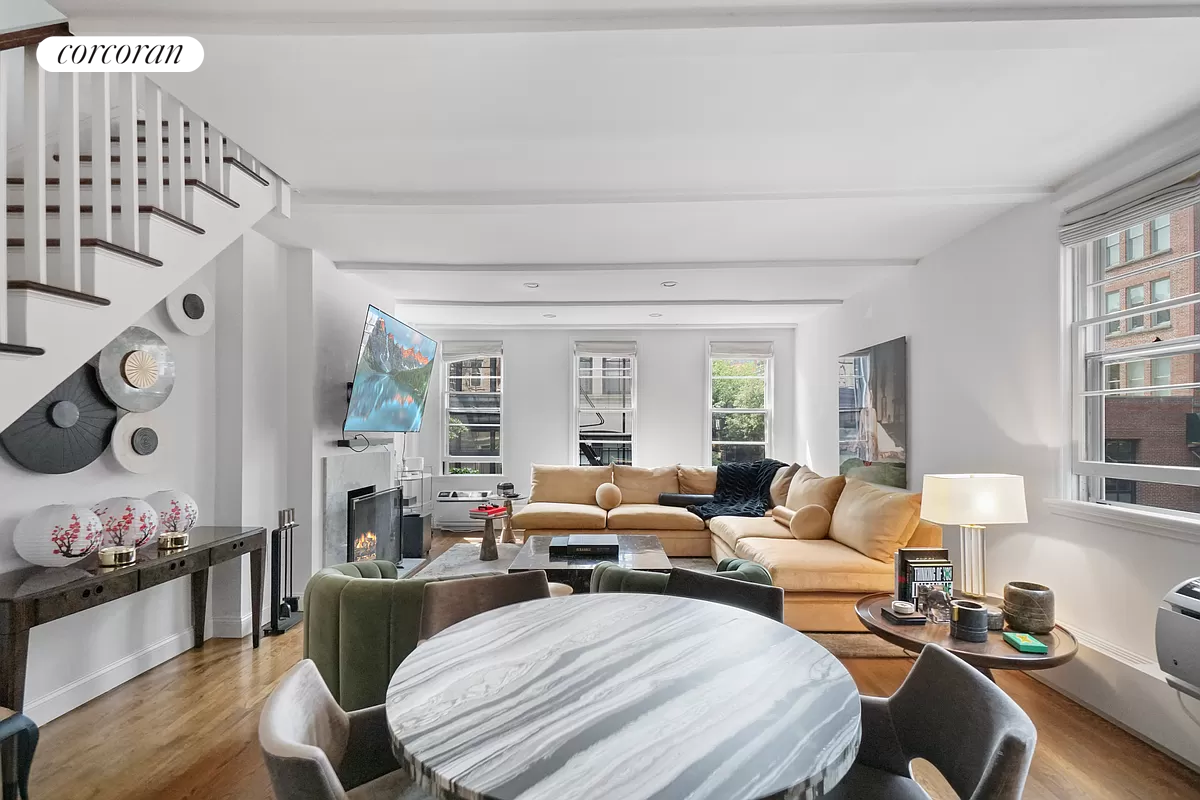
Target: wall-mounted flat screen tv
(391, 381)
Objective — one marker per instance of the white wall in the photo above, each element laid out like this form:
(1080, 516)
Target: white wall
(76, 658)
(671, 402)
(982, 316)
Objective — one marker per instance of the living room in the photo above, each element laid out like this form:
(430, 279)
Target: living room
(751, 288)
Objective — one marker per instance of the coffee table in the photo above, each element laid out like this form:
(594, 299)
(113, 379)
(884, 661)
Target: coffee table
(984, 656)
(634, 551)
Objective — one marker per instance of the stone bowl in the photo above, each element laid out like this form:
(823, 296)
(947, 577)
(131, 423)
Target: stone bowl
(1028, 607)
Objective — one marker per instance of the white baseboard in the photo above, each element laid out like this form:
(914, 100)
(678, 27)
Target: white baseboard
(1131, 692)
(232, 627)
(76, 693)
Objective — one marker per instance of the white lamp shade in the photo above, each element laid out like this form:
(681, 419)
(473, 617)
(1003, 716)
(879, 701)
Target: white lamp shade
(973, 499)
(127, 520)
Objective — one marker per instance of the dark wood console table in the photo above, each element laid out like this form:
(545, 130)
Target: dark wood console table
(36, 595)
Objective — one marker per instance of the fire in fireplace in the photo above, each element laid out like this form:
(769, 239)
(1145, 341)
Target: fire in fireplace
(373, 524)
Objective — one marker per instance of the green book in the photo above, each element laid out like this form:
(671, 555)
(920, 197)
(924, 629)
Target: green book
(1024, 642)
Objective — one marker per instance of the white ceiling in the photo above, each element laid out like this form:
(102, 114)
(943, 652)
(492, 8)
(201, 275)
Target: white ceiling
(552, 135)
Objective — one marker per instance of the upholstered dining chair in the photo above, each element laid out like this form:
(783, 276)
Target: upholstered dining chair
(761, 599)
(447, 602)
(949, 714)
(316, 751)
(25, 731)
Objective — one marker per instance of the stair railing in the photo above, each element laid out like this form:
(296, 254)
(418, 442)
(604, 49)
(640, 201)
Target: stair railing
(46, 122)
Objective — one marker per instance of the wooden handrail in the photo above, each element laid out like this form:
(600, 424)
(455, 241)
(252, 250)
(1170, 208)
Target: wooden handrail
(30, 37)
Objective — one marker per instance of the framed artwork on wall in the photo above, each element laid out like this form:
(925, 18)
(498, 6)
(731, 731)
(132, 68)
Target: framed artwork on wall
(873, 413)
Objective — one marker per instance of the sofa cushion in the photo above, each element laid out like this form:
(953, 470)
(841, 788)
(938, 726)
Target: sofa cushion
(697, 480)
(816, 565)
(808, 488)
(875, 522)
(782, 482)
(559, 516)
(608, 496)
(651, 516)
(810, 522)
(559, 484)
(731, 529)
(645, 484)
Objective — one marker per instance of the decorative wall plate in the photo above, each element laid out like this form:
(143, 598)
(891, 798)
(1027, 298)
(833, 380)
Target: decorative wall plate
(190, 308)
(137, 444)
(66, 430)
(127, 520)
(55, 536)
(137, 370)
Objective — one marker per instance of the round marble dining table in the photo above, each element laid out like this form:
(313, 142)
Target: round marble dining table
(626, 696)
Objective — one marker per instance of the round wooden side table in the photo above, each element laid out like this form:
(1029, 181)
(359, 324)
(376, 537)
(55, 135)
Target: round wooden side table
(995, 653)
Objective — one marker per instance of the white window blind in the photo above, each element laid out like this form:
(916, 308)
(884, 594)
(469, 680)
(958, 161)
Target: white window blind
(1101, 218)
(473, 408)
(739, 408)
(604, 388)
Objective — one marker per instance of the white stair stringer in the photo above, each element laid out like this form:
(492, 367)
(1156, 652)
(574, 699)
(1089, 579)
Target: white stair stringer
(72, 332)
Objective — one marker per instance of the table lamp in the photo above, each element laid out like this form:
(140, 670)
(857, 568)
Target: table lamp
(972, 502)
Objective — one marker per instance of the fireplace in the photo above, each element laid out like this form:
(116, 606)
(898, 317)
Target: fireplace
(373, 524)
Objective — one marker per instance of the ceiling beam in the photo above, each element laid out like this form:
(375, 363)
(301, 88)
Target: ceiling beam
(948, 195)
(541, 269)
(613, 303)
(554, 20)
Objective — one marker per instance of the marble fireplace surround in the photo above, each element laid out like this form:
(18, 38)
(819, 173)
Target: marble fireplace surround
(343, 473)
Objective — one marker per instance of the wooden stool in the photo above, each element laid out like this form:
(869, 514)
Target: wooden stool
(18, 741)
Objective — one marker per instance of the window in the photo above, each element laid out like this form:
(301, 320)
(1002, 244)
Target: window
(1160, 234)
(1161, 290)
(1136, 296)
(1112, 304)
(1112, 250)
(1135, 242)
(473, 408)
(1135, 374)
(739, 413)
(1135, 408)
(1160, 374)
(605, 402)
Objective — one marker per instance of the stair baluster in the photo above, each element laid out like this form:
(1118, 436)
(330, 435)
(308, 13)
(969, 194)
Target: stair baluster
(199, 166)
(216, 146)
(152, 101)
(102, 195)
(65, 272)
(6, 71)
(175, 157)
(127, 231)
(34, 149)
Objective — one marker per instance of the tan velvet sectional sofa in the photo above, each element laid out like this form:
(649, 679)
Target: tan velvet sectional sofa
(829, 542)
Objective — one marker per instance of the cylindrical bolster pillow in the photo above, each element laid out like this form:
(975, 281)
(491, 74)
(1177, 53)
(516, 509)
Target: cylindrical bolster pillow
(683, 500)
(782, 514)
(608, 496)
(810, 522)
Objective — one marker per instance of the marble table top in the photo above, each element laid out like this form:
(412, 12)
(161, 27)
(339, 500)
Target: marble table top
(623, 696)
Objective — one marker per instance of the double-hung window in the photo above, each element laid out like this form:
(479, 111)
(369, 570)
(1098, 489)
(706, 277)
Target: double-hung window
(1135, 242)
(472, 408)
(1136, 400)
(739, 413)
(605, 402)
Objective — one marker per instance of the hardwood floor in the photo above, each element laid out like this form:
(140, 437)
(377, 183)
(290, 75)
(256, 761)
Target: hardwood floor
(188, 730)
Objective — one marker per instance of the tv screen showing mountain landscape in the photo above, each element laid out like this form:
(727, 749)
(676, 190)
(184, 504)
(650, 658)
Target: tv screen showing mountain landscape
(395, 364)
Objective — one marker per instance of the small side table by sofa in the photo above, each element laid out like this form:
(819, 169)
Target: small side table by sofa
(984, 656)
(506, 535)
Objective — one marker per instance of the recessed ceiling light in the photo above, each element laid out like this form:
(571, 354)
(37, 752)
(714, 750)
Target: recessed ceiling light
(670, 284)
(656, 314)
(549, 316)
(531, 285)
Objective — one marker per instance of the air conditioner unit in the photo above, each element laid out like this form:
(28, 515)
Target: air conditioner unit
(1177, 637)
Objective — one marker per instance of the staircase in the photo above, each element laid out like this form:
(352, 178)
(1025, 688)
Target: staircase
(116, 193)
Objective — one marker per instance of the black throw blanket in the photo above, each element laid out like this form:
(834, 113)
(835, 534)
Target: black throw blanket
(743, 490)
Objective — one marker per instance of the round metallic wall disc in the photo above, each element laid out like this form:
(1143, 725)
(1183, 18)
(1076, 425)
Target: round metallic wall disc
(190, 308)
(137, 442)
(131, 360)
(66, 430)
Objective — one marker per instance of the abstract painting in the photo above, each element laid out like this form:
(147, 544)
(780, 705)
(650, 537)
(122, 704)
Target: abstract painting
(873, 414)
